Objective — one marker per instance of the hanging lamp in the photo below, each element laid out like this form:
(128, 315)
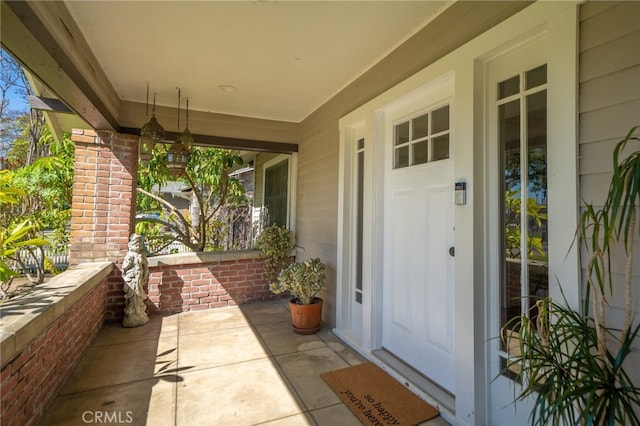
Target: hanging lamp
(186, 137)
(151, 133)
(178, 154)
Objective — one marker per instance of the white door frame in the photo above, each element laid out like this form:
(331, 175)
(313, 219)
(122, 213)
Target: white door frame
(557, 44)
(472, 277)
(346, 313)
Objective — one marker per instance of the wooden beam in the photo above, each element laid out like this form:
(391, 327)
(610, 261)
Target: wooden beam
(228, 143)
(42, 49)
(48, 104)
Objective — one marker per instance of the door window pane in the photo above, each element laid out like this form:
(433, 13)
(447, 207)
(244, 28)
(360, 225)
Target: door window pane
(536, 77)
(420, 152)
(420, 126)
(440, 120)
(415, 142)
(509, 134)
(402, 133)
(509, 87)
(359, 221)
(537, 238)
(522, 133)
(440, 148)
(402, 157)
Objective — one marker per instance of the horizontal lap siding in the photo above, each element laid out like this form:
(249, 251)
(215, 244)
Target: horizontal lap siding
(317, 203)
(609, 72)
(609, 106)
(317, 192)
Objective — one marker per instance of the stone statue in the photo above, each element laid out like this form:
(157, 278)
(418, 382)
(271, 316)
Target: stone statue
(135, 272)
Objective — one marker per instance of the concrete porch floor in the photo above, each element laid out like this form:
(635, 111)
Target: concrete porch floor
(240, 365)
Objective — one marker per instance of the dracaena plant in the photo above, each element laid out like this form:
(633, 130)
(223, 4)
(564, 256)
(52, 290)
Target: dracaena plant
(303, 280)
(574, 365)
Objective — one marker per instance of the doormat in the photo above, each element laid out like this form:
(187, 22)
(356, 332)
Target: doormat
(376, 398)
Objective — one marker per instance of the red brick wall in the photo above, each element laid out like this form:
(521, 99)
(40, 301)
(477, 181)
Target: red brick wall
(104, 195)
(104, 204)
(190, 287)
(30, 382)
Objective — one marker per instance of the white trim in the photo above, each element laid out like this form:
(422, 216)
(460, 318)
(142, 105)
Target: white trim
(356, 311)
(346, 252)
(293, 191)
(558, 45)
(291, 184)
(528, 54)
(559, 19)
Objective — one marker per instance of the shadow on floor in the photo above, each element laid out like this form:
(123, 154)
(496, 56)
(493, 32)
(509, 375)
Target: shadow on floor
(230, 366)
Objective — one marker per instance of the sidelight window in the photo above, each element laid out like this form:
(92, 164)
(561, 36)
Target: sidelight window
(522, 132)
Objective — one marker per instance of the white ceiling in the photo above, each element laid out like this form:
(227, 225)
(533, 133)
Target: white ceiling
(286, 58)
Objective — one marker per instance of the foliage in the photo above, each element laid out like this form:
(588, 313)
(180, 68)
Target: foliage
(18, 150)
(207, 178)
(48, 184)
(573, 365)
(11, 240)
(39, 184)
(155, 239)
(536, 172)
(535, 212)
(21, 129)
(567, 381)
(303, 280)
(12, 79)
(12, 237)
(8, 194)
(275, 243)
(45, 200)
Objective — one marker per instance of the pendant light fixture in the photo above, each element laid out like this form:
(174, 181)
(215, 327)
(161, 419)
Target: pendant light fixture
(178, 155)
(151, 133)
(186, 138)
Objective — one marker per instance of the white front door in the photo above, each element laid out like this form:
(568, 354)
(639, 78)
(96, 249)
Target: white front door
(418, 240)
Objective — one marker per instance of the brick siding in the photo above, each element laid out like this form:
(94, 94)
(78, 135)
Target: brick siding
(104, 196)
(207, 285)
(103, 204)
(103, 209)
(31, 381)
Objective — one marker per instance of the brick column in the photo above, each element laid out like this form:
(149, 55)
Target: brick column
(103, 206)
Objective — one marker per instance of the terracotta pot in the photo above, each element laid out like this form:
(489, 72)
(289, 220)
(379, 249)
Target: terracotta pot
(306, 319)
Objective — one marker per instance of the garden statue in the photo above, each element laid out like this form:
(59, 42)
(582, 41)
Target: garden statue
(135, 272)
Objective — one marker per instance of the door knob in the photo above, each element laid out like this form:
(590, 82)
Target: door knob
(452, 251)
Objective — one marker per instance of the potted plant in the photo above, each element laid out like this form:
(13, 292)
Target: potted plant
(304, 281)
(572, 364)
(276, 244)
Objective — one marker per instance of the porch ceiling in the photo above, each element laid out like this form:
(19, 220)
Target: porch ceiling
(285, 58)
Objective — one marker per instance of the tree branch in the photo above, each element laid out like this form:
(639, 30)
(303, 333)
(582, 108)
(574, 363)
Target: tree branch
(172, 209)
(202, 225)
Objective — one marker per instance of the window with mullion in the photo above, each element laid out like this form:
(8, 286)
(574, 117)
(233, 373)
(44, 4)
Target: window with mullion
(422, 139)
(522, 133)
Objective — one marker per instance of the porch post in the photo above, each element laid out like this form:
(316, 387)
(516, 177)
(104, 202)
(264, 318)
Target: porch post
(103, 204)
